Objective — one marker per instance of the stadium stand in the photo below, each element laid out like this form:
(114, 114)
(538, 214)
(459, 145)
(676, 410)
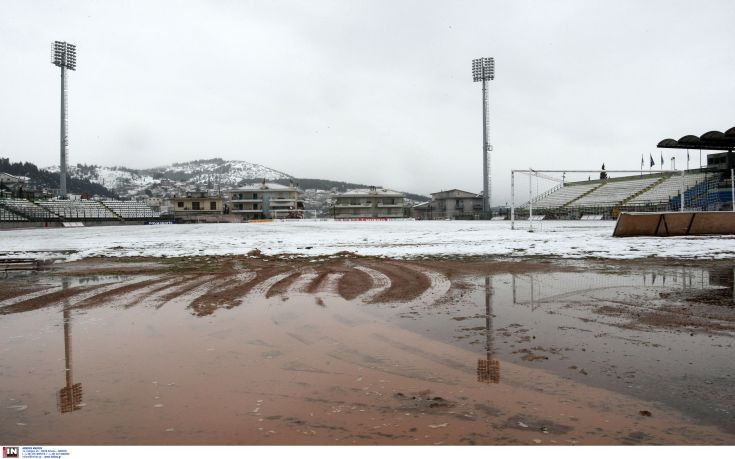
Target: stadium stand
(561, 196)
(614, 192)
(668, 189)
(703, 190)
(29, 210)
(131, 210)
(78, 210)
(8, 216)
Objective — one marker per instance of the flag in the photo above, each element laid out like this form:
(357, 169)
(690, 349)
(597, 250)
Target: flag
(652, 163)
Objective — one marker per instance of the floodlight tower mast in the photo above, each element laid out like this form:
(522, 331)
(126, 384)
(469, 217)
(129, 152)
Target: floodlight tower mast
(483, 69)
(64, 56)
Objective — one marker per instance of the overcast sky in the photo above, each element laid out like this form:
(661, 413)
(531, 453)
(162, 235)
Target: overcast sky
(376, 92)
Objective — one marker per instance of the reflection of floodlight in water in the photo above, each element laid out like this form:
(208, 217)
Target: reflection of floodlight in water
(488, 370)
(70, 396)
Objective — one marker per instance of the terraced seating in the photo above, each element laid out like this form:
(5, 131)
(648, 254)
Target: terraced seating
(614, 192)
(563, 195)
(28, 210)
(131, 210)
(78, 210)
(667, 189)
(8, 216)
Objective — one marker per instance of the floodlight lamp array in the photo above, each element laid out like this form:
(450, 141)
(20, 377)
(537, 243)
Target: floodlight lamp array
(64, 55)
(483, 69)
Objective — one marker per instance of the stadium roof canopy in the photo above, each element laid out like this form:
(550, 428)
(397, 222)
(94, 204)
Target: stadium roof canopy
(712, 140)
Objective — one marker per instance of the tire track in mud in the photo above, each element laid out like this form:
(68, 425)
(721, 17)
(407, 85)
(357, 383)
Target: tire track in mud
(280, 287)
(323, 273)
(354, 283)
(150, 294)
(198, 283)
(331, 283)
(261, 289)
(46, 300)
(24, 295)
(302, 283)
(99, 299)
(379, 284)
(439, 286)
(221, 293)
(406, 283)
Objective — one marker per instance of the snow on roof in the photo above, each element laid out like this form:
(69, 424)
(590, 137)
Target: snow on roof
(371, 192)
(457, 193)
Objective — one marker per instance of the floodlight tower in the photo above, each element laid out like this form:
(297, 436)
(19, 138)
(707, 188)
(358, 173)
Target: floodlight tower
(63, 55)
(483, 69)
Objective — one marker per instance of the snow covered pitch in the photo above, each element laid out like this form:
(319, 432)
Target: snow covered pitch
(396, 239)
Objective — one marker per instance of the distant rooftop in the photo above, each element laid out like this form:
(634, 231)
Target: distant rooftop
(266, 186)
(372, 191)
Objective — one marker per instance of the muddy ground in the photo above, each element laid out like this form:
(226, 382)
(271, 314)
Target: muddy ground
(358, 350)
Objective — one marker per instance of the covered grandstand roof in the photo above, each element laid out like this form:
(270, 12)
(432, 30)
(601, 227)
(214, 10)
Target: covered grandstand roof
(712, 140)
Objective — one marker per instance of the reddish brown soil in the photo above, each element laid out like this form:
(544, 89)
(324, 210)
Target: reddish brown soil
(353, 284)
(406, 282)
(707, 311)
(281, 287)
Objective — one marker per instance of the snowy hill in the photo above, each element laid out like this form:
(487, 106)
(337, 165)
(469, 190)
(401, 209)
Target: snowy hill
(216, 171)
(206, 173)
(114, 178)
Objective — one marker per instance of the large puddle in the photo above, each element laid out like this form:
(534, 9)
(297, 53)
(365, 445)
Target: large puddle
(663, 334)
(642, 356)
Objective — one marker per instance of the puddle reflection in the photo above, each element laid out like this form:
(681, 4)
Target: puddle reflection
(69, 398)
(488, 369)
(536, 289)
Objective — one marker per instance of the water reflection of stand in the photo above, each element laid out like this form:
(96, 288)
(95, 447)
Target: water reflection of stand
(488, 370)
(70, 396)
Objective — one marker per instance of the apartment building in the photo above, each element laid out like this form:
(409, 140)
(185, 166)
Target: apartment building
(370, 202)
(197, 202)
(267, 200)
(449, 204)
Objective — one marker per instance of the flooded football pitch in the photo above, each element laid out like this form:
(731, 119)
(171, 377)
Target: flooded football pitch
(351, 350)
